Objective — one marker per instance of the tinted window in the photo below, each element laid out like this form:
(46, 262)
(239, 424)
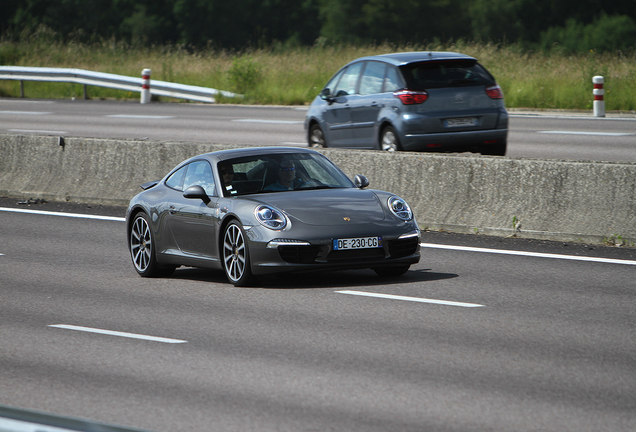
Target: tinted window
(349, 81)
(200, 173)
(371, 81)
(393, 81)
(429, 75)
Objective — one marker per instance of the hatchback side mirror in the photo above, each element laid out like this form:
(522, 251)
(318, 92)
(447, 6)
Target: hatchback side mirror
(361, 181)
(196, 191)
(325, 94)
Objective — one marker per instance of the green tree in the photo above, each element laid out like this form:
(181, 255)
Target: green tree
(405, 21)
(607, 33)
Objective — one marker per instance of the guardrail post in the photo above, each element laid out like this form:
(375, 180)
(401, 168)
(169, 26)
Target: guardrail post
(145, 86)
(599, 99)
(21, 89)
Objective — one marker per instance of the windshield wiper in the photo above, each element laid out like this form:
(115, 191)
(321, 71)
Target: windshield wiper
(314, 187)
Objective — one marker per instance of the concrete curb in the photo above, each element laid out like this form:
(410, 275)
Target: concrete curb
(593, 202)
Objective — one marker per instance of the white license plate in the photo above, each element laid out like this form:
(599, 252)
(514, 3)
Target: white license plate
(357, 243)
(459, 122)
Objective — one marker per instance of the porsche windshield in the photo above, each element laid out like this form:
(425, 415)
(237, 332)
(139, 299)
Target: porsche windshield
(273, 172)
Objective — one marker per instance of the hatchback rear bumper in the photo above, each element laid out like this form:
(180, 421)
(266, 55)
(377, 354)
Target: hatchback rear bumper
(454, 141)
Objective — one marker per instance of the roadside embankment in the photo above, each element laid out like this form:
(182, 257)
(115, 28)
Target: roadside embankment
(585, 201)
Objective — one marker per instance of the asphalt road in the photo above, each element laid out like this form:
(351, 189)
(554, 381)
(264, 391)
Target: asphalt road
(539, 338)
(485, 334)
(544, 135)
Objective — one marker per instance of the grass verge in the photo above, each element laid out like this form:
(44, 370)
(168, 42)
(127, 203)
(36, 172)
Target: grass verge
(294, 76)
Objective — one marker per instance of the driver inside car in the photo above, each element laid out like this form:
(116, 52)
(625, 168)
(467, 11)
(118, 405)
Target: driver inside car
(287, 179)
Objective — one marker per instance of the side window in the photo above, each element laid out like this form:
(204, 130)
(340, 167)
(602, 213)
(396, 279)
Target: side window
(349, 80)
(331, 85)
(392, 81)
(176, 179)
(200, 173)
(371, 81)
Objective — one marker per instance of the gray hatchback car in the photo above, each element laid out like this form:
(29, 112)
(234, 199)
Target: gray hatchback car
(417, 101)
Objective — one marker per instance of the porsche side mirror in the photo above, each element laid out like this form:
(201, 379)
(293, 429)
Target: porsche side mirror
(361, 181)
(196, 191)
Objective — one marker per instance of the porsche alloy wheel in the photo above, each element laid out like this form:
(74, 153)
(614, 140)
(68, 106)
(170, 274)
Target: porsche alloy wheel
(142, 249)
(236, 260)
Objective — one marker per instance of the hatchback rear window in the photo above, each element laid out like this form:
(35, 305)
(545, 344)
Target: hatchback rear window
(429, 75)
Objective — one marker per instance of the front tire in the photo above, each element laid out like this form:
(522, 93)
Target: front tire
(316, 137)
(394, 271)
(142, 249)
(236, 257)
(389, 140)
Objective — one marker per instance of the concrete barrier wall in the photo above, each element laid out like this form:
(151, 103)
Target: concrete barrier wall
(557, 200)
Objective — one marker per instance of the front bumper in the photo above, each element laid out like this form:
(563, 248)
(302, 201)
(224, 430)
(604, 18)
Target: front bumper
(319, 255)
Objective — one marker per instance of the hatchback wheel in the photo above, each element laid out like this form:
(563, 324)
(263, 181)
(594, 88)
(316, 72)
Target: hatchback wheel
(236, 257)
(389, 140)
(498, 149)
(316, 136)
(142, 249)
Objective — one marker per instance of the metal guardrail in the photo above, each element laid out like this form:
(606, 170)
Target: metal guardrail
(119, 82)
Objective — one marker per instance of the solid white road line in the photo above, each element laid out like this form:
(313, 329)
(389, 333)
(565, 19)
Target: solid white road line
(25, 112)
(412, 299)
(116, 333)
(529, 254)
(7, 424)
(586, 133)
(71, 215)
(425, 245)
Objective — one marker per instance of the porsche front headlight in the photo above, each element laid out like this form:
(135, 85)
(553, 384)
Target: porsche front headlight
(270, 217)
(400, 208)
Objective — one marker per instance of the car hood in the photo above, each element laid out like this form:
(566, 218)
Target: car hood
(329, 207)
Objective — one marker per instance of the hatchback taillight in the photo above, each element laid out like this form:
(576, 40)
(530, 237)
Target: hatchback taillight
(411, 97)
(494, 92)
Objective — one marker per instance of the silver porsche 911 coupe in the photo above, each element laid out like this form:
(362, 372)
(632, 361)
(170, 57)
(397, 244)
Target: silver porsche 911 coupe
(259, 211)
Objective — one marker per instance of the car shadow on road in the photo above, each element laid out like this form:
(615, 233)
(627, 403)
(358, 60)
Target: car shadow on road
(330, 279)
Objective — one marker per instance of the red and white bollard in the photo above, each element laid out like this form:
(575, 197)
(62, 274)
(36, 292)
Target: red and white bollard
(145, 86)
(599, 93)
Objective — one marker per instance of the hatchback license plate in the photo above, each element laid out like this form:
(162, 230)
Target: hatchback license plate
(459, 122)
(357, 243)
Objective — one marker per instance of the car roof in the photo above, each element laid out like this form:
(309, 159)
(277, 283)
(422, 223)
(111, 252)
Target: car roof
(399, 59)
(253, 151)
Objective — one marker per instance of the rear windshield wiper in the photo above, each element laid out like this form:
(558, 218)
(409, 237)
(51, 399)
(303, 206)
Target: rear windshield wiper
(463, 81)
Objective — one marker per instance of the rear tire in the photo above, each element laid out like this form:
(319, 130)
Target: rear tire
(498, 149)
(236, 256)
(316, 137)
(142, 249)
(389, 140)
